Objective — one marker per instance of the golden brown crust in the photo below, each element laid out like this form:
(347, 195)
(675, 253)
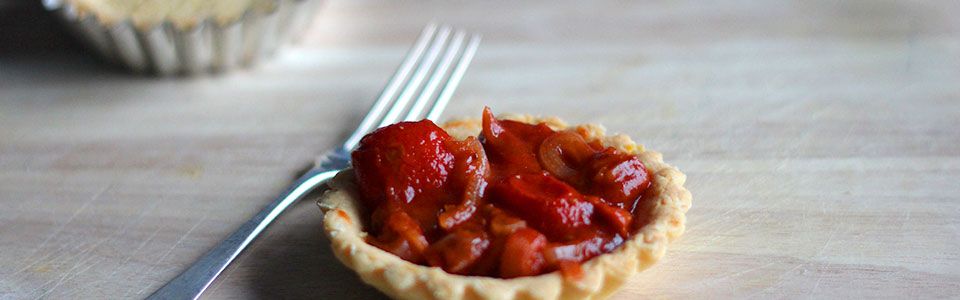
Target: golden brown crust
(603, 274)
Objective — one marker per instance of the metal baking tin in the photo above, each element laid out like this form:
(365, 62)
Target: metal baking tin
(165, 49)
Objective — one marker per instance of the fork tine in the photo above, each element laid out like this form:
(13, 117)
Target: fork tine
(418, 76)
(439, 74)
(393, 86)
(423, 58)
(454, 79)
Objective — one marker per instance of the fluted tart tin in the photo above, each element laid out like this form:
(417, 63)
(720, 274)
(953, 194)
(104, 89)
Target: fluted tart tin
(175, 37)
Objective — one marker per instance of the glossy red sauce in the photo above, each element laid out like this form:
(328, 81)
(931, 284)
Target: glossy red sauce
(521, 200)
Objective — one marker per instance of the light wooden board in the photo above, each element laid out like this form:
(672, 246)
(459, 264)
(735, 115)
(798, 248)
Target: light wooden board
(821, 140)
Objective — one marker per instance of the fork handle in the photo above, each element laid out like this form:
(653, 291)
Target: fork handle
(192, 282)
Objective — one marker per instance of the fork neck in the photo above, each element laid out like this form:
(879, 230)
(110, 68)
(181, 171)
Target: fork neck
(336, 159)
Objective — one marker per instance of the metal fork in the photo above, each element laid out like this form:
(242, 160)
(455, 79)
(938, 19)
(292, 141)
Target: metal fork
(430, 60)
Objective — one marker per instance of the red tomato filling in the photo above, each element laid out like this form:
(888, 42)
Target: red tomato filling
(521, 200)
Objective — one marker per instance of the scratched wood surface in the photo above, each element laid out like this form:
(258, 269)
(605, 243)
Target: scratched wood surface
(821, 140)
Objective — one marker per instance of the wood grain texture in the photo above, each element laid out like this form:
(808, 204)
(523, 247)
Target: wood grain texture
(821, 140)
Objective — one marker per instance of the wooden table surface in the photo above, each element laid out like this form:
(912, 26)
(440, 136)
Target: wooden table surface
(821, 140)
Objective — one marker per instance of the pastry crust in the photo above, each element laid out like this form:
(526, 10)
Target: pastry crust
(181, 13)
(665, 206)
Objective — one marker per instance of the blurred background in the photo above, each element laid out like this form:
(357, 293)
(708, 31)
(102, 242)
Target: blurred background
(820, 140)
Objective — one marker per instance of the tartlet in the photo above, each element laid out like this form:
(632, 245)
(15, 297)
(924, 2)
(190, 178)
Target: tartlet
(184, 36)
(664, 208)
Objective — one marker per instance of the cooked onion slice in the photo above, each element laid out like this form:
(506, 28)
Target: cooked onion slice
(475, 169)
(563, 153)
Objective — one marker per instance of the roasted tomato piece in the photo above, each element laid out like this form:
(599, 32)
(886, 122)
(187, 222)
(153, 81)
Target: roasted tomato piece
(406, 164)
(401, 235)
(618, 178)
(512, 145)
(458, 251)
(522, 254)
(548, 204)
(403, 161)
(617, 218)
